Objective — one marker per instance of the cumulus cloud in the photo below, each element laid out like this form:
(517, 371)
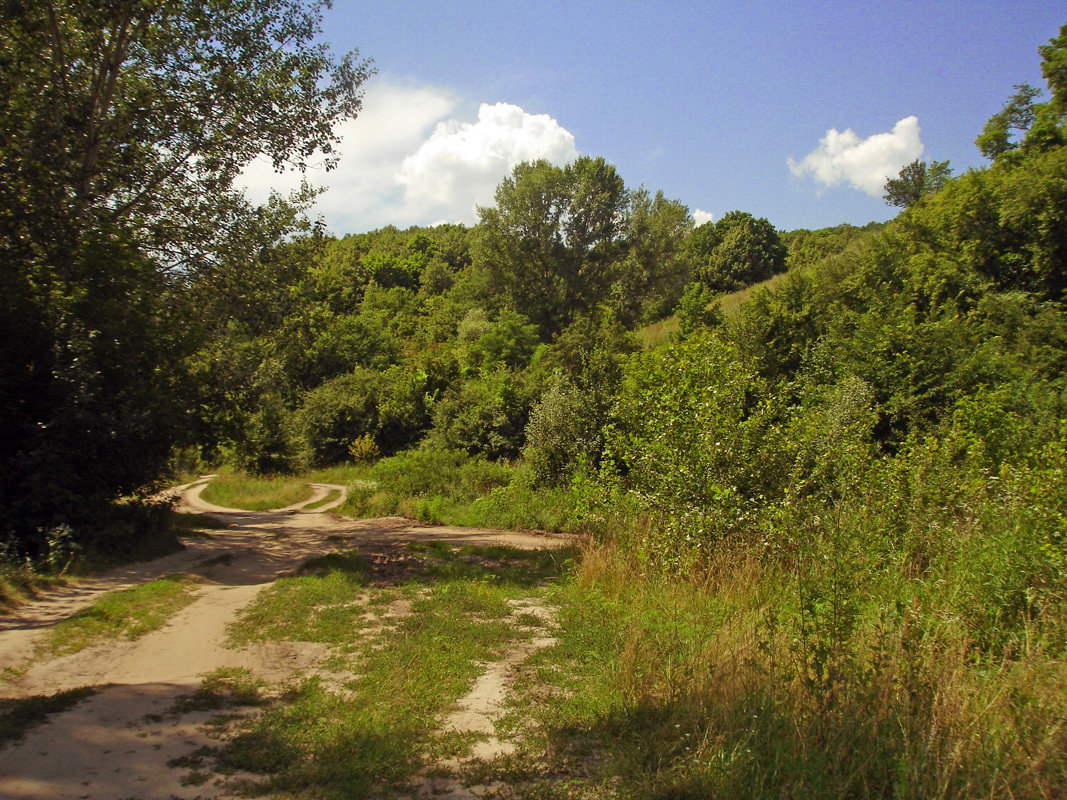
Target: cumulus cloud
(410, 159)
(864, 164)
(461, 163)
(700, 216)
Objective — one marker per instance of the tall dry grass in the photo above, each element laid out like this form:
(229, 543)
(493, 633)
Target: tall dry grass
(723, 690)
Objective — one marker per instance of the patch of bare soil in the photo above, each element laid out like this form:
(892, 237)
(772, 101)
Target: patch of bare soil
(118, 742)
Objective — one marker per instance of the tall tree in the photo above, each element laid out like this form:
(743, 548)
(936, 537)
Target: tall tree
(1017, 115)
(736, 251)
(915, 181)
(651, 279)
(551, 240)
(1026, 124)
(122, 127)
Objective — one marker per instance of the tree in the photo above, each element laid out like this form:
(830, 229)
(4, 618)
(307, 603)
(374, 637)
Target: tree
(551, 241)
(122, 128)
(1054, 69)
(915, 181)
(1041, 125)
(1018, 114)
(657, 266)
(743, 250)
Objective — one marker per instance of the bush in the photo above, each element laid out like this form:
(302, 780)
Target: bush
(697, 309)
(698, 442)
(484, 416)
(561, 431)
(386, 407)
(430, 484)
(566, 428)
(363, 449)
(424, 472)
(269, 443)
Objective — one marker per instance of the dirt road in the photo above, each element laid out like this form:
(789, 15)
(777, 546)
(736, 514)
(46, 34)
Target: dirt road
(118, 742)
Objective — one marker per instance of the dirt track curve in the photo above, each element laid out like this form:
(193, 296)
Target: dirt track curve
(116, 744)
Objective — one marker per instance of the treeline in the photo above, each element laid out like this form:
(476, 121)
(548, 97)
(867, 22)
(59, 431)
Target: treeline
(451, 336)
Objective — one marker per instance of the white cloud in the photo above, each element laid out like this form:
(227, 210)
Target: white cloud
(461, 163)
(406, 160)
(865, 164)
(700, 216)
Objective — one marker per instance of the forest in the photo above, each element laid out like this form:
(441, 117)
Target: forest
(821, 475)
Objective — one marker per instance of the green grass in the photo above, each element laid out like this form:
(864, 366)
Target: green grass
(669, 687)
(453, 488)
(232, 489)
(128, 613)
(236, 489)
(437, 486)
(657, 333)
(227, 687)
(729, 303)
(372, 736)
(18, 717)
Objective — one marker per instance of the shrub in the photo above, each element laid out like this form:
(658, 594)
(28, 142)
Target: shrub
(268, 443)
(698, 442)
(484, 416)
(336, 413)
(561, 431)
(363, 449)
(386, 407)
(697, 309)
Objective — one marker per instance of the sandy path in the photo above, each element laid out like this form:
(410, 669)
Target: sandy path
(117, 743)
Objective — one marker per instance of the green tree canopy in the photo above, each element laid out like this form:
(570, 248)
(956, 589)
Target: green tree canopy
(657, 264)
(915, 181)
(122, 128)
(1023, 122)
(736, 251)
(551, 240)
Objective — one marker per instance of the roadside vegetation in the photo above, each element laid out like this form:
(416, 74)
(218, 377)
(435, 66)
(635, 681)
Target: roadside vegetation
(122, 614)
(21, 583)
(254, 492)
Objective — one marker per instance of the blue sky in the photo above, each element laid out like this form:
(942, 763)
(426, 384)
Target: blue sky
(707, 101)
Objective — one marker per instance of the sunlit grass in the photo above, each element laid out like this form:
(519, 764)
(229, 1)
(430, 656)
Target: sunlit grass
(128, 613)
(703, 686)
(233, 489)
(658, 332)
(236, 489)
(729, 303)
(411, 648)
(331, 495)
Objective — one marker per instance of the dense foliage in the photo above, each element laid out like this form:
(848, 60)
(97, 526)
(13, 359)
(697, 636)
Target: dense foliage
(124, 125)
(864, 462)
